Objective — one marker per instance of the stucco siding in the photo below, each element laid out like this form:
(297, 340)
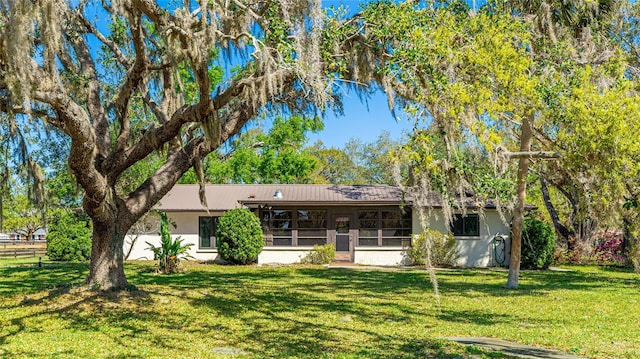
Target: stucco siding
(475, 251)
(186, 227)
(140, 250)
(271, 255)
(380, 257)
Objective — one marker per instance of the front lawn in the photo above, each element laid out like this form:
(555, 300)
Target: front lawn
(313, 312)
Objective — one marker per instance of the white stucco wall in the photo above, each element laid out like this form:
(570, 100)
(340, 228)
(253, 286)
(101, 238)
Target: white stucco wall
(282, 255)
(186, 228)
(473, 251)
(378, 256)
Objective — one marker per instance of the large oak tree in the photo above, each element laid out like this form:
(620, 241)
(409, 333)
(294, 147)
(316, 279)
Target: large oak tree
(127, 79)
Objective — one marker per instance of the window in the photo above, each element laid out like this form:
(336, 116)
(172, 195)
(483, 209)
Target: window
(312, 227)
(207, 231)
(396, 228)
(281, 224)
(368, 228)
(466, 226)
(387, 228)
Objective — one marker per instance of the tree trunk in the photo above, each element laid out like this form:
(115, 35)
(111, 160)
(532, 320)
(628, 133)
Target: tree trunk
(1, 214)
(518, 215)
(564, 232)
(628, 239)
(107, 259)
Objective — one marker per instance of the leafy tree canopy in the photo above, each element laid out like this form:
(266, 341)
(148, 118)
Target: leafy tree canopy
(152, 85)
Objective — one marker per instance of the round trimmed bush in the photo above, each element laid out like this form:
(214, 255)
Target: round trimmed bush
(239, 236)
(69, 237)
(538, 244)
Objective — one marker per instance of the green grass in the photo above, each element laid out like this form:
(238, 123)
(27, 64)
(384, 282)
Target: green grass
(314, 312)
(24, 261)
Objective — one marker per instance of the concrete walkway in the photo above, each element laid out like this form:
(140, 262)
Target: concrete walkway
(515, 349)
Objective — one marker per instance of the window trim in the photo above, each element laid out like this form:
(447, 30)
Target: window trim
(464, 219)
(294, 228)
(380, 230)
(214, 228)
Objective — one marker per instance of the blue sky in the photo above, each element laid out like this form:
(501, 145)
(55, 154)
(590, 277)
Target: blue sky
(364, 121)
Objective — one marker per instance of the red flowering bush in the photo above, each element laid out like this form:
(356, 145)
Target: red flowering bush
(608, 249)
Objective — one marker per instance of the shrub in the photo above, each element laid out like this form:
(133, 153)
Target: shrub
(609, 249)
(444, 251)
(538, 244)
(239, 236)
(580, 255)
(69, 237)
(170, 251)
(324, 254)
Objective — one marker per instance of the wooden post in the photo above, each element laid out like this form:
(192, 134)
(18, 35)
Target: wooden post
(524, 156)
(518, 217)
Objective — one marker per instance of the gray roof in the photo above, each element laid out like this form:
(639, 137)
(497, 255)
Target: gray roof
(228, 196)
(222, 197)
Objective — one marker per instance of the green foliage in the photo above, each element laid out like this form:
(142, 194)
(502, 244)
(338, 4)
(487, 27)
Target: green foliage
(273, 157)
(357, 162)
(334, 165)
(372, 160)
(69, 237)
(323, 254)
(22, 216)
(170, 251)
(442, 248)
(239, 236)
(538, 244)
(62, 189)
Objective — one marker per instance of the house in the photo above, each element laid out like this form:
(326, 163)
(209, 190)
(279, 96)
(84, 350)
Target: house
(368, 224)
(23, 234)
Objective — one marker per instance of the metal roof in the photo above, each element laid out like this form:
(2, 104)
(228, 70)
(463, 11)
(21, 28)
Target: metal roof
(223, 197)
(229, 196)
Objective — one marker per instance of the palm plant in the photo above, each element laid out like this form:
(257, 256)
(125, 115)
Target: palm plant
(170, 251)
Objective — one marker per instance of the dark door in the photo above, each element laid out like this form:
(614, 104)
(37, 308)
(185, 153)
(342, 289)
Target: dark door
(343, 237)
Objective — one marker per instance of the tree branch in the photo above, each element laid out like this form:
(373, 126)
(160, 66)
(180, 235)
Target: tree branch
(94, 103)
(157, 137)
(132, 80)
(151, 191)
(532, 154)
(565, 232)
(83, 151)
(110, 44)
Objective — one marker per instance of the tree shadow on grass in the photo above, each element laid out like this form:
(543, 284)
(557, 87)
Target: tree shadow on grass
(312, 319)
(285, 312)
(25, 280)
(369, 282)
(81, 310)
(492, 282)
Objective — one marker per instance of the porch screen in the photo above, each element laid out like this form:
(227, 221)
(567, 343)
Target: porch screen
(281, 225)
(368, 228)
(396, 228)
(312, 227)
(384, 228)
